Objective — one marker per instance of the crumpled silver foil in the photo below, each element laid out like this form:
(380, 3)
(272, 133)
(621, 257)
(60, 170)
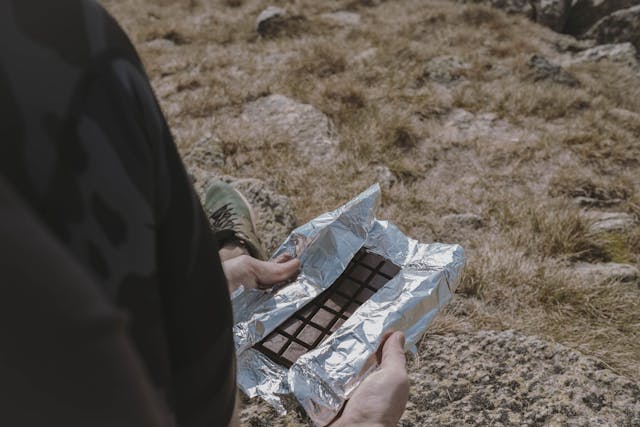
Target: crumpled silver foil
(324, 378)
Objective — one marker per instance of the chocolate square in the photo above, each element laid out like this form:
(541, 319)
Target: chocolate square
(364, 295)
(323, 318)
(294, 351)
(348, 288)
(335, 302)
(388, 269)
(336, 325)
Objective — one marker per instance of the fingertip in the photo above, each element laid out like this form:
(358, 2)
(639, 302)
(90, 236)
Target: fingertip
(393, 350)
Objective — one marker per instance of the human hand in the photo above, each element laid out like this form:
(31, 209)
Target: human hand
(252, 273)
(381, 398)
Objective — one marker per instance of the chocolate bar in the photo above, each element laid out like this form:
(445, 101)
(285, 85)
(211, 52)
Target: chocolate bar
(312, 324)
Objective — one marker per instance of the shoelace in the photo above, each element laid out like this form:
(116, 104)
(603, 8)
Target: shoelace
(224, 218)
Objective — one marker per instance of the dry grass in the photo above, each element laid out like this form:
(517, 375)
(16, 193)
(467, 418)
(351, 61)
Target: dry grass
(546, 145)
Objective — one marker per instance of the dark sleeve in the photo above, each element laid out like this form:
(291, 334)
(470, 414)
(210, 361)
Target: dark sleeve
(104, 138)
(192, 284)
(65, 359)
(198, 310)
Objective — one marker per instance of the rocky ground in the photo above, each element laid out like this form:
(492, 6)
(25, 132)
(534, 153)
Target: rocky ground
(505, 378)
(509, 126)
(492, 378)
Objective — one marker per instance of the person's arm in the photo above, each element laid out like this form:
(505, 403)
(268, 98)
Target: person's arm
(65, 358)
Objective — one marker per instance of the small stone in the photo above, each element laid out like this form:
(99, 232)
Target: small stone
(276, 22)
(342, 17)
(544, 70)
(461, 125)
(160, 44)
(269, 14)
(444, 69)
(385, 177)
(596, 202)
(609, 271)
(467, 220)
(364, 56)
(608, 222)
(625, 115)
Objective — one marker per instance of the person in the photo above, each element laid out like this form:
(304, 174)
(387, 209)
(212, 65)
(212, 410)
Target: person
(115, 309)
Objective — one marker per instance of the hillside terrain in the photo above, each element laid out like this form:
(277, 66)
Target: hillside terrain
(484, 128)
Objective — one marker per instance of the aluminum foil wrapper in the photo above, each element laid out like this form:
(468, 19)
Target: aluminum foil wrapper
(324, 378)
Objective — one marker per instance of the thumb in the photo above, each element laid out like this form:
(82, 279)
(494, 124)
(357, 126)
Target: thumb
(270, 273)
(393, 352)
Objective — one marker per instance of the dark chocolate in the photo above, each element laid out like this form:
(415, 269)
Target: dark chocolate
(312, 324)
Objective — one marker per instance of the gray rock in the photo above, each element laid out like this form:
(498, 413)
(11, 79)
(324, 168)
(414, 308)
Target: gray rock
(624, 115)
(363, 57)
(277, 22)
(160, 44)
(385, 177)
(544, 70)
(461, 125)
(308, 129)
(275, 217)
(444, 69)
(274, 212)
(206, 154)
(619, 27)
(465, 220)
(271, 13)
(202, 179)
(597, 202)
(496, 378)
(608, 271)
(506, 378)
(342, 17)
(583, 14)
(573, 45)
(622, 53)
(608, 222)
(519, 7)
(552, 13)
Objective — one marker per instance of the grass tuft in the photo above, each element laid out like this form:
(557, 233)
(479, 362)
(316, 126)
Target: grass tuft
(583, 185)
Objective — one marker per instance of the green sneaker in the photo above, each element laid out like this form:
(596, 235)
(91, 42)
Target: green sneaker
(231, 217)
